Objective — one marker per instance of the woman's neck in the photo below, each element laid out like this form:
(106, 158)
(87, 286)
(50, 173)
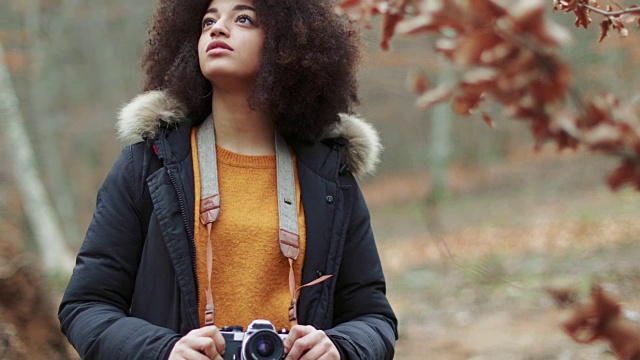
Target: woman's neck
(239, 128)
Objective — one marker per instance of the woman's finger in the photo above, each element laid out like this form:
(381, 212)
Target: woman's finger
(217, 344)
(304, 343)
(214, 333)
(321, 349)
(187, 353)
(313, 346)
(295, 333)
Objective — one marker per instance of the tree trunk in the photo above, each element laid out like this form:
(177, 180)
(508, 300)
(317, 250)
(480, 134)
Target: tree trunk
(440, 133)
(440, 144)
(41, 216)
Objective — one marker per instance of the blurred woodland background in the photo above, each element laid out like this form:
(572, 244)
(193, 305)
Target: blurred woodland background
(471, 223)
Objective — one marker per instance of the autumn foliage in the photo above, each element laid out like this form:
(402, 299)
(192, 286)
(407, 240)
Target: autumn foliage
(613, 19)
(599, 319)
(507, 54)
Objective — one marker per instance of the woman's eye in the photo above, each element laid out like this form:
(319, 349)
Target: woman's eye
(244, 19)
(207, 22)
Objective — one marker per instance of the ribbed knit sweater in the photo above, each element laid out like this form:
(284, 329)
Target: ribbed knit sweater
(250, 274)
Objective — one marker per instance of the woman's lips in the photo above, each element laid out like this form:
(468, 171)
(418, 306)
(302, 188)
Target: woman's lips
(218, 47)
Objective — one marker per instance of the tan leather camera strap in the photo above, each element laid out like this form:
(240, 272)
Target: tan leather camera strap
(209, 199)
(293, 308)
(288, 234)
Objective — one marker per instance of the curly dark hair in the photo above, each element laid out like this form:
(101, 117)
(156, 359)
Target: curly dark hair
(307, 73)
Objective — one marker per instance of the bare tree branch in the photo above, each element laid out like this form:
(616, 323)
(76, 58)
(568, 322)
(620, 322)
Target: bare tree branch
(630, 10)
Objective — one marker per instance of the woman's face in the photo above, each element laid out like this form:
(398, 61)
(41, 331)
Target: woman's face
(231, 42)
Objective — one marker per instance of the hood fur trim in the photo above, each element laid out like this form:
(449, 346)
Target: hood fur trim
(151, 111)
(146, 114)
(363, 149)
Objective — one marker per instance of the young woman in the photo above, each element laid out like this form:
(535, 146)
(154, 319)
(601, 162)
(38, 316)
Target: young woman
(252, 96)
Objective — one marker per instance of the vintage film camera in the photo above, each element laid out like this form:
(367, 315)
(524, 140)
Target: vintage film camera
(259, 342)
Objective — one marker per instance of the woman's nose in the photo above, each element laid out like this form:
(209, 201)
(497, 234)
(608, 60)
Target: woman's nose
(219, 29)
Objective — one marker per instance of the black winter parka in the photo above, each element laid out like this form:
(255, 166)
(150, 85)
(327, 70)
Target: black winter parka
(133, 293)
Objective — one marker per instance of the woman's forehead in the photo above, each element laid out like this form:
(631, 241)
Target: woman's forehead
(229, 3)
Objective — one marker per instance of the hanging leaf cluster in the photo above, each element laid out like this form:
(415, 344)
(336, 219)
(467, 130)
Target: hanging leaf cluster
(616, 19)
(507, 54)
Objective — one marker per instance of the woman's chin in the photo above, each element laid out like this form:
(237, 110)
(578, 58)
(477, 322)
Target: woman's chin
(230, 79)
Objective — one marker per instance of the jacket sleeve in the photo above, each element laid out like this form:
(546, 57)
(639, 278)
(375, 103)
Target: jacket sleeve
(365, 326)
(94, 313)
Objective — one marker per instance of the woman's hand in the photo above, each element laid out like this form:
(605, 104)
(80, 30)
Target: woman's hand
(308, 343)
(199, 344)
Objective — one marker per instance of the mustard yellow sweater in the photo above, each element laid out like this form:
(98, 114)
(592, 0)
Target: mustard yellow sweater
(250, 274)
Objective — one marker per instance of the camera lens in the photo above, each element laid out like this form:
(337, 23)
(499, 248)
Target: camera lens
(263, 345)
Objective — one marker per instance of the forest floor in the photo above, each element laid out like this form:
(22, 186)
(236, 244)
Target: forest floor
(466, 277)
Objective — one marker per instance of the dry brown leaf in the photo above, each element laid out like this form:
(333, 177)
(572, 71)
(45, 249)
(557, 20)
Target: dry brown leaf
(563, 297)
(603, 137)
(601, 319)
(486, 9)
(418, 82)
(604, 29)
(582, 18)
(442, 93)
(416, 25)
(470, 47)
(392, 15)
(626, 173)
(464, 104)
(488, 120)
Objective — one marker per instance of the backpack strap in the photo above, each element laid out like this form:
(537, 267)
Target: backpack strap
(288, 232)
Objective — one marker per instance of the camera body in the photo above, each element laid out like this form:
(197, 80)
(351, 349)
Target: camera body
(259, 342)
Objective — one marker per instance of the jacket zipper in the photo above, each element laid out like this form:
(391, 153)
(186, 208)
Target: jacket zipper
(185, 221)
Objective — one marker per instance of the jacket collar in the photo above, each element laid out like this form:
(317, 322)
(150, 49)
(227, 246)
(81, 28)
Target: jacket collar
(151, 113)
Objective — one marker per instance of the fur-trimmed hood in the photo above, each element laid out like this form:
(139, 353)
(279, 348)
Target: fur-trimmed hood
(151, 111)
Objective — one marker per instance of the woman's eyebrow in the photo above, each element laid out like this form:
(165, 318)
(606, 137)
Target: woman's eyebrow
(244, 7)
(235, 8)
